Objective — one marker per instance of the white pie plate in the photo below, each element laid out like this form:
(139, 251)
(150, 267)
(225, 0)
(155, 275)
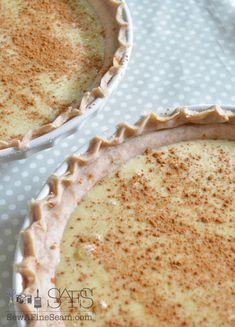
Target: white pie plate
(17, 279)
(50, 139)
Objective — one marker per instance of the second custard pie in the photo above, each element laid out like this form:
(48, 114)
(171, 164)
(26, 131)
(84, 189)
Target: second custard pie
(141, 227)
(57, 56)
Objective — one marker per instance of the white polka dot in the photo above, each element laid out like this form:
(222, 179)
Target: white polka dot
(74, 148)
(33, 165)
(27, 188)
(35, 179)
(4, 216)
(6, 178)
(57, 153)
(17, 183)
(42, 170)
(94, 124)
(181, 96)
(25, 174)
(15, 169)
(9, 192)
(12, 206)
(2, 202)
(39, 156)
(64, 145)
(20, 197)
(50, 161)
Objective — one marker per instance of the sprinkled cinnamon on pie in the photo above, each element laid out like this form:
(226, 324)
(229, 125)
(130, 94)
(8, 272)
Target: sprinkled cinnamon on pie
(166, 252)
(51, 52)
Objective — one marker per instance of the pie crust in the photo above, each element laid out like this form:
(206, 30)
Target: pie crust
(115, 57)
(51, 214)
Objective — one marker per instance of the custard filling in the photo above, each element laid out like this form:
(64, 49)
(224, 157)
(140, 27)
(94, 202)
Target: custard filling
(155, 240)
(51, 53)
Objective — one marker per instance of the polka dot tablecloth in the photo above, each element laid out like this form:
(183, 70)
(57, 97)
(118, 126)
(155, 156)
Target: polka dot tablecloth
(184, 53)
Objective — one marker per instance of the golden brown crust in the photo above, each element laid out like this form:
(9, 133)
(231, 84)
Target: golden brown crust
(100, 91)
(52, 213)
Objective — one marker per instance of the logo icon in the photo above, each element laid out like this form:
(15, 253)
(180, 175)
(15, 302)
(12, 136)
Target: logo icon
(23, 298)
(37, 301)
(12, 296)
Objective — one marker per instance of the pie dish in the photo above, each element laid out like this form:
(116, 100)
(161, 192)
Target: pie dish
(58, 58)
(145, 220)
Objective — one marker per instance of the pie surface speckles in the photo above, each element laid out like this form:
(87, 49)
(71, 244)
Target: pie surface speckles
(154, 241)
(144, 219)
(51, 53)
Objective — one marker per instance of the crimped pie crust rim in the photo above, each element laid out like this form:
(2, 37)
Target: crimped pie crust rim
(57, 184)
(100, 91)
(149, 123)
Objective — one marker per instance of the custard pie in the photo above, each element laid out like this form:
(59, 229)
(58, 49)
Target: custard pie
(56, 57)
(139, 231)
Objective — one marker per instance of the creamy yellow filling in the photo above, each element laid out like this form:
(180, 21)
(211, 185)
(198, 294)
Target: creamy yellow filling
(155, 241)
(51, 52)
